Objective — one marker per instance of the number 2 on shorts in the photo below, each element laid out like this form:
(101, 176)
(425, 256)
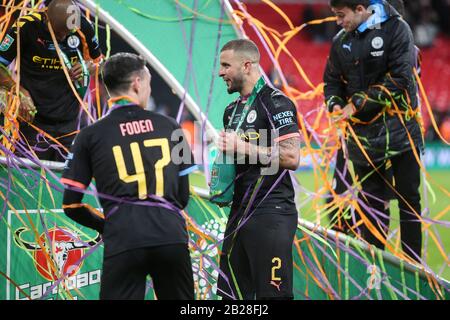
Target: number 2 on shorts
(277, 262)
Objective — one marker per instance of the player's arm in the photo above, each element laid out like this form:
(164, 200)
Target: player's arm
(288, 153)
(183, 185)
(7, 82)
(8, 52)
(76, 210)
(333, 84)
(285, 152)
(183, 191)
(399, 78)
(282, 116)
(286, 148)
(186, 167)
(76, 177)
(92, 53)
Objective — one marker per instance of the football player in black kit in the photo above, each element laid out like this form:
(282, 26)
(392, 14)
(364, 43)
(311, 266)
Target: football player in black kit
(43, 85)
(256, 258)
(140, 161)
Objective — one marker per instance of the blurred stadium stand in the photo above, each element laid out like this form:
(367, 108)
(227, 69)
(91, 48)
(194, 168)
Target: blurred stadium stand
(311, 46)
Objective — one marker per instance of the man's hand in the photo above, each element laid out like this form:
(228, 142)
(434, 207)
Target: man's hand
(289, 153)
(229, 142)
(91, 66)
(76, 72)
(348, 111)
(337, 111)
(27, 110)
(342, 114)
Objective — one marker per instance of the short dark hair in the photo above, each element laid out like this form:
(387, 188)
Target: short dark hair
(118, 69)
(398, 5)
(352, 4)
(245, 47)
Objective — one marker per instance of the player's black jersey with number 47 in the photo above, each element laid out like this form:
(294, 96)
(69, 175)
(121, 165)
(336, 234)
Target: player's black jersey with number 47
(131, 153)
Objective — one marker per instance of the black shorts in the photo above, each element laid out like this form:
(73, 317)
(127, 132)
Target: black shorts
(256, 261)
(124, 274)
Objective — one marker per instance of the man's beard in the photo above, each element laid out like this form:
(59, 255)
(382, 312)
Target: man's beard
(236, 85)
